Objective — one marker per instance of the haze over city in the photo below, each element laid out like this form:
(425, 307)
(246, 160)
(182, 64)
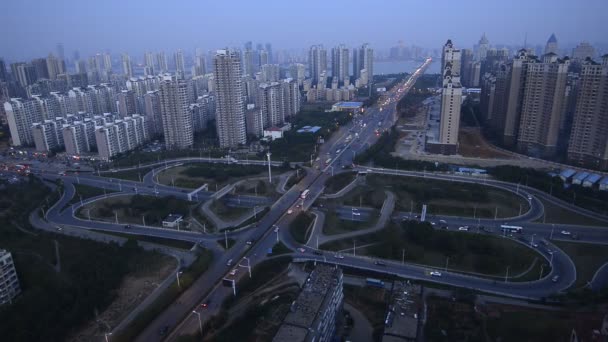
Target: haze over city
(33, 28)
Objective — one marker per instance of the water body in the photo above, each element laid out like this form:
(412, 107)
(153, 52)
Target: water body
(395, 67)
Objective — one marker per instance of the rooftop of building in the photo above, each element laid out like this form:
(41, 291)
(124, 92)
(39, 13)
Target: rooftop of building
(401, 320)
(349, 104)
(173, 218)
(317, 286)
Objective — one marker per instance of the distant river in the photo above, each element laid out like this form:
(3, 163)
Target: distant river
(395, 67)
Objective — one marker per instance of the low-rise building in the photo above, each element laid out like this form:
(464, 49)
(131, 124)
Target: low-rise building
(312, 316)
(9, 282)
(401, 320)
(347, 106)
(172, 221)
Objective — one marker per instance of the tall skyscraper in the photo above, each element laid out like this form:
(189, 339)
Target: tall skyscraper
(161, 60)
(53, 66)
(127, 68)
(340, 63)
(178, 126)
(482, 47)
(582, 51)
(451, 98)
(466, 67)
(551, 46)
(154, 119)
(543, 106)
(248, 56)
(514, 96)
(21, 115)
(180, 64)
(269, 51)
(588, 145)
(3, 72)
(363, 59)
(317, 62)
(148, 64)
(200, 65)
(271, 103)
(230, 108)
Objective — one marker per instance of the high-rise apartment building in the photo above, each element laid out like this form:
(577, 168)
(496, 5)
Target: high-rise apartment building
(451, 100)
(269, 73)
(21, 115)
(543, 106)
(297, 71)
(317, 62)
(126, 103)
(180, 64)
(178, 126)
(152, 110)
(47, 135)
(120, 136)
(366, 61)
(9, 282)
(271, 103)
(127, 67)
(340, 63)
(3, 72)
(79, 137)
(230, 108)
(551, 46)
(514, 97)
(466, 67)
(161, 61)
(588, 146)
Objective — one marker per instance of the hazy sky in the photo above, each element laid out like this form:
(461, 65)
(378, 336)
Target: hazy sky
(33, 28)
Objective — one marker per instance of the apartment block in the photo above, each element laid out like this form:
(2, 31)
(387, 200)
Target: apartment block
(9, 282)
(588, 146)
(313, 314)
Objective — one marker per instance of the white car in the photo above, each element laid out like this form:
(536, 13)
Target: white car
(339, 256)
(463, 228)
(435, 274)
(356, 213)
(289, 212)
(276, 229)
(565, 232)
(302, 250)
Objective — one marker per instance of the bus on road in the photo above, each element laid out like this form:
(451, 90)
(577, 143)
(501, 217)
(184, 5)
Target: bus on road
(511, 229)
(304, 194)
(374, 282)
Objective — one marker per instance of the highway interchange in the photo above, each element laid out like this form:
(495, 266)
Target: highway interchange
(274, 225)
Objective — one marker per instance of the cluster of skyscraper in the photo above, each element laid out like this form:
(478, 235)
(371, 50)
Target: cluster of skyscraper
(245, 93)
(341, 87)
(549, 106)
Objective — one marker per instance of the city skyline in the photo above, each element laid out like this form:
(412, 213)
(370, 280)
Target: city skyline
(382, 26)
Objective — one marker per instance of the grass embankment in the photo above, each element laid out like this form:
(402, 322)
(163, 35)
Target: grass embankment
(216, 176)
(87, 281)
(424, 245)
(449, 198)
(189, 275)
(135, 209)
(558, 215)
(334, 225)
(339, 181)
(587, 259)
(300, 227)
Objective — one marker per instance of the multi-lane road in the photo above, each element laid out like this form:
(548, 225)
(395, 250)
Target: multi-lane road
(252, 244)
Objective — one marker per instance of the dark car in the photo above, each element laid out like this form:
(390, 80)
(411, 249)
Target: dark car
(379, 263)
(127, 226)
(206, 303)
(164, 330)
(575, 237)
(317, 253)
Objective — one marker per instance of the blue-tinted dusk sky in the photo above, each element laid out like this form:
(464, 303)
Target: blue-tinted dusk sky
(31, 28)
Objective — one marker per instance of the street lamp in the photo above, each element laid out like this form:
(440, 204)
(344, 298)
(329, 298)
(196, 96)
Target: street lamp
(106, 336)
(200, 323)
(177, 274)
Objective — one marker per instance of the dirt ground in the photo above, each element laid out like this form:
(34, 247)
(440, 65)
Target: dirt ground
(133, 290)
(472, 144)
